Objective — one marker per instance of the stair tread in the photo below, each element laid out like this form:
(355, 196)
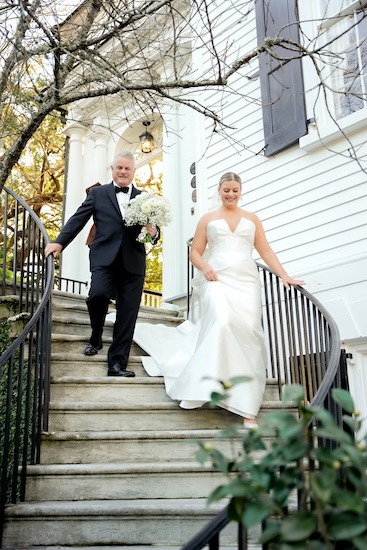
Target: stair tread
(155, 507)
(107, 380)
(118, 468)
(164, 405)
(131, 434)
(101, 357)
(114, 547)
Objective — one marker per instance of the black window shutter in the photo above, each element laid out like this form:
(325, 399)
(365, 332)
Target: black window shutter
(282, 92)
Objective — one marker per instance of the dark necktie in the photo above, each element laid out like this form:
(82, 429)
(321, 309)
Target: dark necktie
(121, 189)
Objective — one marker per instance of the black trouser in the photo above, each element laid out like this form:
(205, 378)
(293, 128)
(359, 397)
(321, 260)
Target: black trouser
(127, 288)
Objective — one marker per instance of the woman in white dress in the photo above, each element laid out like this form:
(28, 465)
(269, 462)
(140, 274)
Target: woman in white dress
(226, 339)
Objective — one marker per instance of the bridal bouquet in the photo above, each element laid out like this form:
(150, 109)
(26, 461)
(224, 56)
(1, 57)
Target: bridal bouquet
(147, 208)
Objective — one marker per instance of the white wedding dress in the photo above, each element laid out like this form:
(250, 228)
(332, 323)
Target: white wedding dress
(224, 338)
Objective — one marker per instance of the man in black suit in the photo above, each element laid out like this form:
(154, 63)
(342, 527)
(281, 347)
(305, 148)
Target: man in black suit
(117, 261)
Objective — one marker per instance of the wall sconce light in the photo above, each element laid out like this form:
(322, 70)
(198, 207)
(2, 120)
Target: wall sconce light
(146, 140)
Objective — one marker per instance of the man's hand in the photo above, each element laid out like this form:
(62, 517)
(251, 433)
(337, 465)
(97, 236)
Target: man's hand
(53, 248)
(152, 230)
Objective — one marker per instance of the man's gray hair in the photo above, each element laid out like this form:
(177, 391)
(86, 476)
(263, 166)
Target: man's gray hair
(126, 154)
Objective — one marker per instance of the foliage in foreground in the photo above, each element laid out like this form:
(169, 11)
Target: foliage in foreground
(309, 455)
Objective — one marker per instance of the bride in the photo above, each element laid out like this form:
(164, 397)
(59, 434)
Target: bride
(224, 337)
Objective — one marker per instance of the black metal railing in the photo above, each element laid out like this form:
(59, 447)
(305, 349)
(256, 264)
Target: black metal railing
(26, 284)
(65, 284)
(303, 346)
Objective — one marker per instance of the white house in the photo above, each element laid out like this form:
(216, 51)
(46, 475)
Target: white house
(293, 147)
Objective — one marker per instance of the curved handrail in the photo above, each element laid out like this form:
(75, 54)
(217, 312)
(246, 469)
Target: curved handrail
(332, 335)
(27, 281)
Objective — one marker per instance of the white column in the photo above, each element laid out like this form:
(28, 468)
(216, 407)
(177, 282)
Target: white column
(75, 262)
(179, 152)
(100, 137)
(173, 247)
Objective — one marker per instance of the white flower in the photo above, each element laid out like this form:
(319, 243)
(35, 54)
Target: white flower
(148, 208)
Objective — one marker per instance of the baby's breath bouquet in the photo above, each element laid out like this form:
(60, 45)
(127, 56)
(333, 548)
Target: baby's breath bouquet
(147, 208)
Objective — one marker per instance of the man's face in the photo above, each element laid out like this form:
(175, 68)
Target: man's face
(123, 171)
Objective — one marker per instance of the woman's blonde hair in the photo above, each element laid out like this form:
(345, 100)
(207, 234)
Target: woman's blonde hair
(229, 176)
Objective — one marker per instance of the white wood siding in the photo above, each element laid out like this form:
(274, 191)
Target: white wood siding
(312, 204)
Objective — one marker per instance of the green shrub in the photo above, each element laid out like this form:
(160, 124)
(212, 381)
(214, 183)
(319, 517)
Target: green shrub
(307, 455)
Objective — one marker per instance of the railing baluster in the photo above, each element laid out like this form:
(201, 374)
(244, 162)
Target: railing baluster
(25, 365)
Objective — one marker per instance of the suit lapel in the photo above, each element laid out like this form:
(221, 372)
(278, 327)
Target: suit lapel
(112, 195)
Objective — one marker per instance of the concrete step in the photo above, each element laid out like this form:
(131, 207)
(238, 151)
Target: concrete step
(118, 547)
(78, 365)
(112, 389)
(140, 446)
(168, 522)
(77, 321)
(66, 344)
(114, 416)
(124, 480)
(140, 389)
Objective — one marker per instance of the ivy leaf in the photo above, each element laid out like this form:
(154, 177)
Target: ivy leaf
(360, 541)
(346, 525)
(345, 500)
(298, 527)
(344, 399)
(235, 509)
(322, 484)
(255, 512)
(351, 422)
(271, 532)
(293, 392)
(216, 398)
(218, 493)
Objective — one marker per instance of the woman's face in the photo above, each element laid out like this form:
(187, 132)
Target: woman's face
(230, 192)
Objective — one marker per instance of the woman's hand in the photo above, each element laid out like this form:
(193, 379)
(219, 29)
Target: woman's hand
(287, 281)
(209, 273)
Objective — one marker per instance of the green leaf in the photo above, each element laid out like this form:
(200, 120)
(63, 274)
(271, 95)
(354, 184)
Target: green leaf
(351, 502)
(322, 484)
(293, 392)
(235, 509)
(298, 526)
(346, 525)
(218, 493)
(271, 532)
(240, 488)
(255, 512)
(360, 541)
(240, 379)
(201, 456)
(216, 397)
(353, 423)
(344, 399)
(335, 434)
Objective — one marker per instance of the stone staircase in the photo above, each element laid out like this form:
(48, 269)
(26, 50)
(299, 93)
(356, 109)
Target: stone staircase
(118, 464)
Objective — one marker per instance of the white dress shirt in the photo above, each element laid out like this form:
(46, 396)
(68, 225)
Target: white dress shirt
(123, 200)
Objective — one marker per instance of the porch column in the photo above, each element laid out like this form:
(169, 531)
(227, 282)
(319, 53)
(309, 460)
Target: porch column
(74, 259)
(101, 162)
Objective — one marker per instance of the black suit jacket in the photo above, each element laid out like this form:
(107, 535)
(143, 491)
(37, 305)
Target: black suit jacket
(111, 235)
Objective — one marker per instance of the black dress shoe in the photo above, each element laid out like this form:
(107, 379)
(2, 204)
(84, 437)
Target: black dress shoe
(119, 370)
(91, 350)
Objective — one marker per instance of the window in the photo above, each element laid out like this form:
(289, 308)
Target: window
(344, 27)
